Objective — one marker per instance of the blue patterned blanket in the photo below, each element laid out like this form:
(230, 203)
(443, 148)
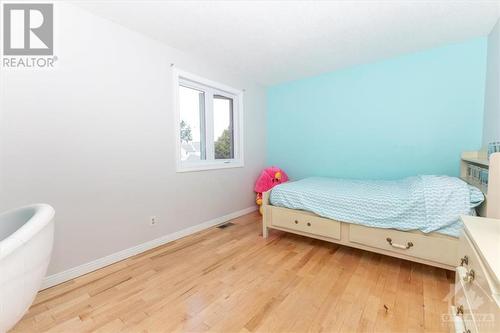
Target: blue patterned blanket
(425, 203)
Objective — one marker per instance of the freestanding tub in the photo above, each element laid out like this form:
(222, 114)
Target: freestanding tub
(26, 238)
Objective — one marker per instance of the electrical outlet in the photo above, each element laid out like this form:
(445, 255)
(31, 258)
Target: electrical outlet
(153, 220)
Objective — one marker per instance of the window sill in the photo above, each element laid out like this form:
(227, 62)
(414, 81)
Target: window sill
(209, 166)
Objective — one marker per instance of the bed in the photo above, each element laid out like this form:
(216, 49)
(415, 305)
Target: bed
(417, 218)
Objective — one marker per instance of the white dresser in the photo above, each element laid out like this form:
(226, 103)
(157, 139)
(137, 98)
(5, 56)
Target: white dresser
(477, 282)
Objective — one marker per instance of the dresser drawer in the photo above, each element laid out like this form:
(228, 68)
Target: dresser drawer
(473, 273)
(409, 243)
(473, 279)
(479, 304)
(463, 312)
(306, 222)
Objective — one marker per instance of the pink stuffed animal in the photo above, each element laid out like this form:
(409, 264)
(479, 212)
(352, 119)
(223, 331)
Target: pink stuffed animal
(268, 178)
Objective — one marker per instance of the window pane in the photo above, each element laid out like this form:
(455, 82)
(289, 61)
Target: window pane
(223, 127)
(192, 124)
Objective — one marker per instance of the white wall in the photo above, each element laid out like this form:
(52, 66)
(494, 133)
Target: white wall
(94, 138)
(491, 127)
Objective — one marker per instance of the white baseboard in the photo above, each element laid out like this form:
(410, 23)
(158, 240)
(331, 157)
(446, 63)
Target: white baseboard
(74, 272)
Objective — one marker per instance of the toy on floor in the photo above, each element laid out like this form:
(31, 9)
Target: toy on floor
(268, 178)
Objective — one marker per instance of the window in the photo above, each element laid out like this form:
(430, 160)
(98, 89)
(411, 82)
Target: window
(208, 124)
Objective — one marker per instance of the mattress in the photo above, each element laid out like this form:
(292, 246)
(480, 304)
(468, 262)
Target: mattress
(425, 203)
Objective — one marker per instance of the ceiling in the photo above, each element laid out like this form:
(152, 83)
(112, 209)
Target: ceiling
(276, 41)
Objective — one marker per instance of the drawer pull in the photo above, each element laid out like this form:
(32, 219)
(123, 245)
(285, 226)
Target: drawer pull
(399, 246)
(470, 276)
(464, 261)
(460, 312)
(308, 224)
(296, 222)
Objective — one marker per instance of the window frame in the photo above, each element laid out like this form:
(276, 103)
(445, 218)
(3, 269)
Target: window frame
(210, 89)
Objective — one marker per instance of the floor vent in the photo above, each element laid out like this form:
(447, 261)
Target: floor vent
(225, 225)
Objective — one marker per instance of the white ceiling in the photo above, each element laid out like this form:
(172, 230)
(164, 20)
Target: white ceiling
(275, 41)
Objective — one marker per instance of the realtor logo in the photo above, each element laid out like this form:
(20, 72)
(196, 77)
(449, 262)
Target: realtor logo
(28, 29)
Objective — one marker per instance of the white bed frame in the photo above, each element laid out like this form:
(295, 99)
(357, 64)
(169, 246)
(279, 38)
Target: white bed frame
(432, 249)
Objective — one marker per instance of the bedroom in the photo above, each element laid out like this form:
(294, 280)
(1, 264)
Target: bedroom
(144, 126)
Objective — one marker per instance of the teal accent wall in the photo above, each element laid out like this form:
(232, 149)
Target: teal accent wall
(409, 115)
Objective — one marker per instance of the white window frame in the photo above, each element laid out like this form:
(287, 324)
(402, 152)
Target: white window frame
(210, 88)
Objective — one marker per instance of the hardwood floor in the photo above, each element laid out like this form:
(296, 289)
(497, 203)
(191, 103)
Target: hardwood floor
(232, 280)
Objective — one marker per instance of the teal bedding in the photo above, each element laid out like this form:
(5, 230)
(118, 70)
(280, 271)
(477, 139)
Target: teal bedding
(425, 203)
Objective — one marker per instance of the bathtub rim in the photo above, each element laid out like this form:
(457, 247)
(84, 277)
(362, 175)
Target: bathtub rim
(43, 215)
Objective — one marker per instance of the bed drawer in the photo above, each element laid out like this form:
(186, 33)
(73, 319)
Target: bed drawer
(305, 222)
(409, 243)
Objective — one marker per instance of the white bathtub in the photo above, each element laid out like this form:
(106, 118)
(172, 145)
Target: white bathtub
(26, 238)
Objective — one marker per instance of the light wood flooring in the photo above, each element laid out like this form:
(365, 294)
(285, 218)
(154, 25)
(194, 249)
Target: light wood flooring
(233, 280)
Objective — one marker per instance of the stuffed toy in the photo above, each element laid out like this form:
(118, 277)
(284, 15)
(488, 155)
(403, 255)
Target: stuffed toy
(268, 178)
